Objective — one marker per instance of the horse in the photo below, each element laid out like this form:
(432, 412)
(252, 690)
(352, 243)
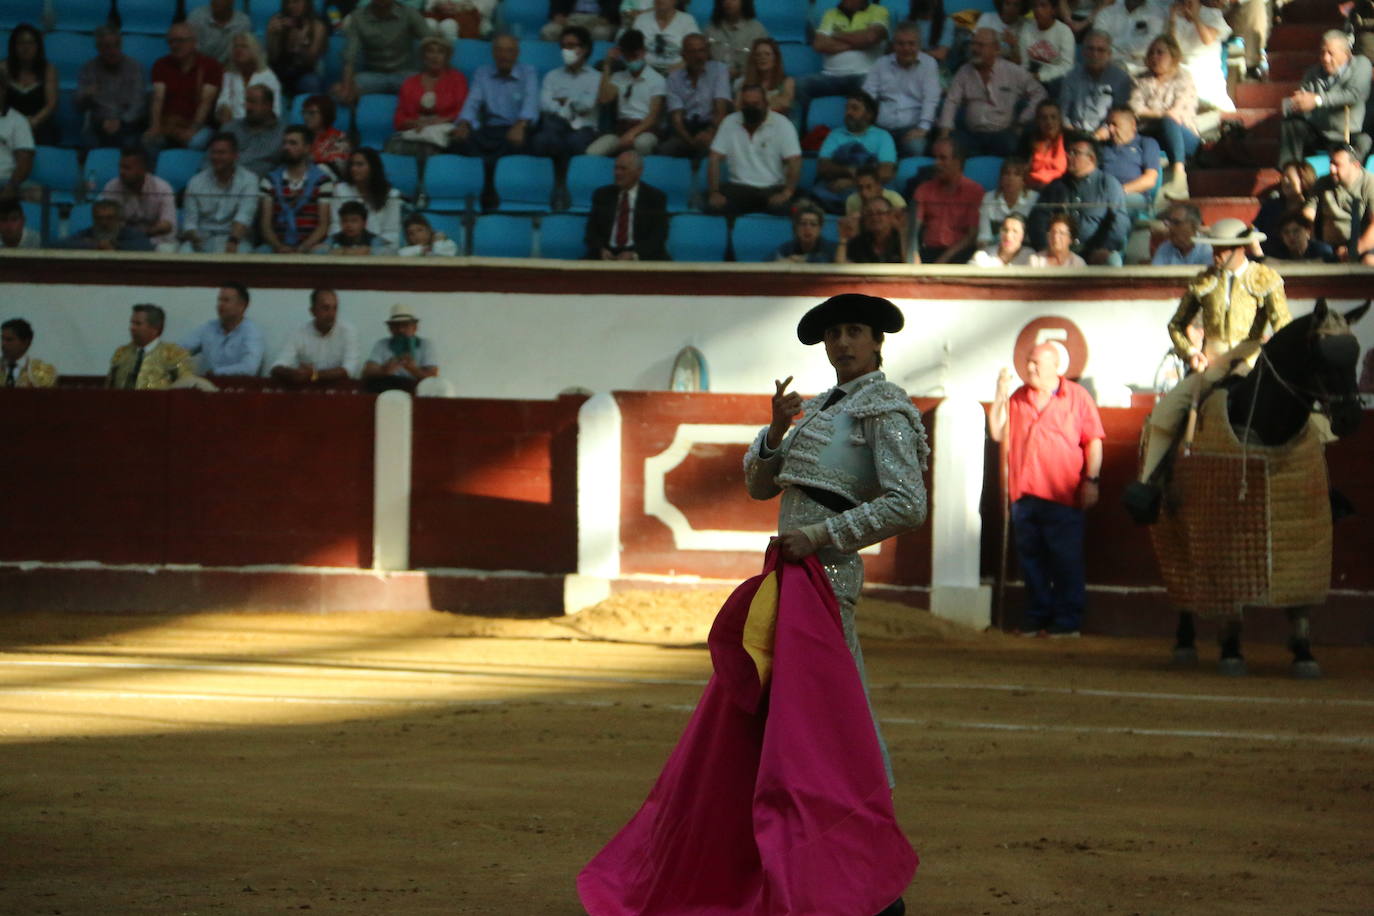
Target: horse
(1246, 518)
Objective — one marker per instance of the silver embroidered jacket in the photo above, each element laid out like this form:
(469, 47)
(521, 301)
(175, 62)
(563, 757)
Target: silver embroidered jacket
(870, 447)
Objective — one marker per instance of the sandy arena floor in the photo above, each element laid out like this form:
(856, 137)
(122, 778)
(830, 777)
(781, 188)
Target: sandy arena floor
(396, 764)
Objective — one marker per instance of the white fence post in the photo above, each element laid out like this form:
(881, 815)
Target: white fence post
(391, 481)
(956, 592)
(598, 503)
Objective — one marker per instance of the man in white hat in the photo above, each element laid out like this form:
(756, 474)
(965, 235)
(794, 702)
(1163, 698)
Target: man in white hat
(404, 355)
(1236, 300)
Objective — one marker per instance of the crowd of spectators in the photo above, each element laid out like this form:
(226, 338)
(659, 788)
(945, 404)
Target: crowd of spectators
(1093, 108)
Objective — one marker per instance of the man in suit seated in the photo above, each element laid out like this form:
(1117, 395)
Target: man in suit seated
(629, 219)
(1329, 106)
(147, 361)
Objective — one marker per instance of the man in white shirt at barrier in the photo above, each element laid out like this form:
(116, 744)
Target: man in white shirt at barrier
(759, 146)
(322, 351)
(906, 84)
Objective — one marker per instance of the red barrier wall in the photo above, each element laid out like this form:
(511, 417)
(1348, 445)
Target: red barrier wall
(494, 484)
(221, 479)
(708, 488)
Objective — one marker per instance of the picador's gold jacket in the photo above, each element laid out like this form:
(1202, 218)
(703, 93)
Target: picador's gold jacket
(1256, 299)
(166, 364)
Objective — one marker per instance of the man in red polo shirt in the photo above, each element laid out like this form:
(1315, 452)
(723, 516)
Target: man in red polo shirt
(947, 209)
(1054, 456)
(185, 84)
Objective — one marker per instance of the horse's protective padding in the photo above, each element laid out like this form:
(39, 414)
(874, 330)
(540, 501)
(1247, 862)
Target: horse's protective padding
(1219, 552)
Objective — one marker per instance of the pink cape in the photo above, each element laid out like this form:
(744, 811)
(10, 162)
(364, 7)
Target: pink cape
(775, 800)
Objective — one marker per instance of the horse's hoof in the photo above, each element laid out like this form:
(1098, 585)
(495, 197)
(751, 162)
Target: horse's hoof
(1232, 667)
(1184, 657)
(1307, 670)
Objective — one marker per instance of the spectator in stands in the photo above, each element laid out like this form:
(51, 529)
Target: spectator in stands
(599, 17)
(868, 184)
(906, 85)
(368, 185)
(17, 368)
(147, 202)
(567, 100)
(1010, 196)
(989, 100)
(296, 39)
(404, 355)
(765, 68)
(246, 68)
(936, 32)
(16, 145)
(1329, 106)
(1132, 159)
(1043, 146)
(1093, 88)
(216, 25)
(1359, 22)
(732, 33)
(761, 150)
(13, 232)
(329, 146)
(1059, 237)
(1097, 202)
(294, 199)
(259, 132)
(230, 343)
(638, 93)
(947, 209)
(699, 98)
(147, 362)
(111, 93)
(629, 219)
(1132, 25)
(380, 54)
(33, 83)
(107, 232)
(185, 84)
(322, 351)
(1182, 221)
(454, 19)
(1341, 206)
(219, 203)
(1251, 20)
(1165, 102)
(1201, 31)
(806, 245)
(429, 103)
(1297, 177)
(664, 27)
(1295, 242)
(855, 145)
(353, 237)
(1005, 20)
(502, 109)
(875, 238)
(850, 39)
(423, 241)
(1010, 249)
(1046, 46)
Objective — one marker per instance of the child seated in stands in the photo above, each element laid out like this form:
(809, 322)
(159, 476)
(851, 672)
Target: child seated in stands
(423, 241)
(353, 237)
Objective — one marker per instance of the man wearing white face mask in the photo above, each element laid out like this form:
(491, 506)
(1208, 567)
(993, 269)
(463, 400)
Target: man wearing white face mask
(567, 100)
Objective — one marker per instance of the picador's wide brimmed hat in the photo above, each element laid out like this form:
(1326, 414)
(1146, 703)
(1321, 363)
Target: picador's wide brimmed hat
(1228, 233)
(874, 311)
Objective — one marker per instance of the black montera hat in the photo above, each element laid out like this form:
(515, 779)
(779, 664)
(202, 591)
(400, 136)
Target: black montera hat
(874, 311)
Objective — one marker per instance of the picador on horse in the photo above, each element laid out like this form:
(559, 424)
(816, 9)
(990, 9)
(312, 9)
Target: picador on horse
(1233, 475)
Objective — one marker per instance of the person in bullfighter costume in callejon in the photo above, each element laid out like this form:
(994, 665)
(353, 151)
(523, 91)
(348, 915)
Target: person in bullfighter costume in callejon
(777, 799)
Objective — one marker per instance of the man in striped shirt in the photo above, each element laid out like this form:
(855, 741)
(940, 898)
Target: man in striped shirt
(294, 199)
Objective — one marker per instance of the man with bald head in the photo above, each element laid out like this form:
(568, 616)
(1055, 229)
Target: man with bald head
(1329, 105)
(629, 219)
(185, 85)
(990, 100)
(1053, 435)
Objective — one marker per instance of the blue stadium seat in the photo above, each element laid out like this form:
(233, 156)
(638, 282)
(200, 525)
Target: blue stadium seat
(451, 225)
(177, 166)
(799, 59)
(333, 59)
(261, 12)
(79, 15)
(296, 115)
(697, 237)
(1321, 162)
(756, 236)
(68, 52)
(561, 236)
(828, 110)
(57, 170)
(809, 168)
(451, 182)
(403, 173)
(147, 17)
(68, 118)
(700, 10)
(102, 166)
(984, 169)
(785, 20)
(470, 53)
(673, 176)
(146, 49)
(78, 220)
(13, 12)
(33, 219)
(599, 49)
(523, 18)
(499, 235)
(373, 119)
(524, 183)
(541, 55)
(585, 175)
(906, 170)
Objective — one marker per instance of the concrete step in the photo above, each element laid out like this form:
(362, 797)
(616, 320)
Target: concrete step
(1317, 12)
(1299, 37)
(1232, 182)
(1289, 65)
(1262, 122)
(1264, 95)
(1215, 208)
